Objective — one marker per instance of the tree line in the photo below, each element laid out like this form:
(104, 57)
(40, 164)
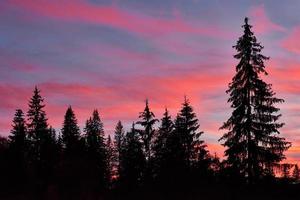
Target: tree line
(174, 155)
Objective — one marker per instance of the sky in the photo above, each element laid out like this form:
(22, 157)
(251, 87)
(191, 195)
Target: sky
(111, 55)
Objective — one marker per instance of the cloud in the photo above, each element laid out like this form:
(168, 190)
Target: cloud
(262, 24)
(292, 43)
(82, 11)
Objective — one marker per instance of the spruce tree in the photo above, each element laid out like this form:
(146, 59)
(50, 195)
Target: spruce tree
(70, 132)
(132, 161)
(252, 142)
(160, 148)
(109, 157)
(96, 149)
(118, 146)
(187, 126)
(37, 125)
(18, 149)
(296, 173)
(147, 121)
(18, 132)
(42, 142)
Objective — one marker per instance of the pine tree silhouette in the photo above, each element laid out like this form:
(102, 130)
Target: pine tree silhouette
(133, 161)
(18, 146)
(190, 134)
(119, 138)
(96, 149)
(70, 132)
(42, 141)
(18, 132)
(147, 121)
(296, 173)
(160, 148)
(252, 142)
(109, 158)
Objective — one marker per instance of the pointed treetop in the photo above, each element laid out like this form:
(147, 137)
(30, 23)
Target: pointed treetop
(246, 20)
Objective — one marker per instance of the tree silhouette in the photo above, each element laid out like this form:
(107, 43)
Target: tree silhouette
(18, 132)
(252, 142)
(18, 146)
(96, 149)
(109, 158)
(41, 139)
(70, 132)
(133, 161)
(147, 121)
(160, 148)
(296, 173)
(189, 129)
(118, 146)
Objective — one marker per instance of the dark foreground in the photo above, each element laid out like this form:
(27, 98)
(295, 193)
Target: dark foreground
(214, 192)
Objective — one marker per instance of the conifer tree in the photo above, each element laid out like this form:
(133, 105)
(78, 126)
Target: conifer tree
(118, 145)
(147, 121)
(109, 157)
(42, 142)
(133, 160)
(96, 149)
(188, 127)
(252, 142)
(70, 132)
(285, 171)
(18, 132)
(37, 125)
(160, 148)
(296, 173)
(18, 148)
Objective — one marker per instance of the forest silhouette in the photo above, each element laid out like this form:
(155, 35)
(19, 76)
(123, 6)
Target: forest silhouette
(146, 162)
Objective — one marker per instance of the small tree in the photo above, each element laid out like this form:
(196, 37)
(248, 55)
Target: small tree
(188, 127)
(70, 132)
(18, 133)
(18, 146)
(296, 173)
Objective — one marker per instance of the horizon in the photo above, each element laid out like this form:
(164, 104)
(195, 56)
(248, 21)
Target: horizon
(112, 55)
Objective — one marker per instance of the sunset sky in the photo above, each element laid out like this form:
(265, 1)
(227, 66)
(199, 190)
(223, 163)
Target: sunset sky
(112, 55)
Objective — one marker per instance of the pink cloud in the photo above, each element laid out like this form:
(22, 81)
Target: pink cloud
(115, 17)
(292, 42)
(261, 22)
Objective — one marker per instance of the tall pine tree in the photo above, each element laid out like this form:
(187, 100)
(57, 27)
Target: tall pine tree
(133, 160)
(96, 149)
(160, 148)
(147, 121)
(37, 124)
(118, 146)
(41, 140)
(252, 142)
